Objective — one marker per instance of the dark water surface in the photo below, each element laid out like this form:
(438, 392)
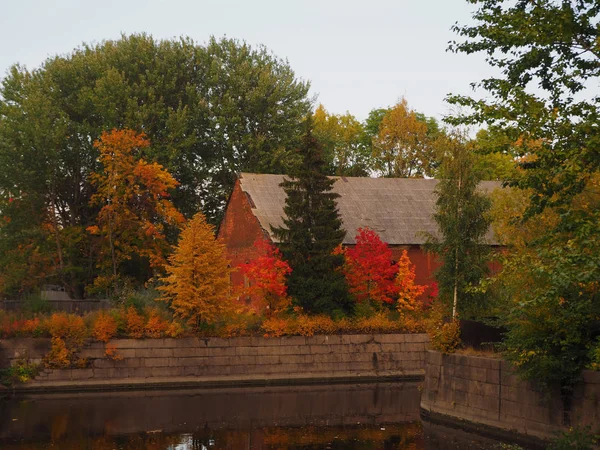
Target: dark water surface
(355, 417)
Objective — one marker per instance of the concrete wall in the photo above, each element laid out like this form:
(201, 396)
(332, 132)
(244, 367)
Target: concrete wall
(149, 361)
(486, 391)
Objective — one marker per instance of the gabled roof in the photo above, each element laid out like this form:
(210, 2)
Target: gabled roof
(400, 210)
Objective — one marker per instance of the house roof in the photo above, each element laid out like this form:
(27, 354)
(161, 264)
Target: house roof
(400, 210)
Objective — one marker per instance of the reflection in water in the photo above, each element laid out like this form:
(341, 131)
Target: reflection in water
(363, 416)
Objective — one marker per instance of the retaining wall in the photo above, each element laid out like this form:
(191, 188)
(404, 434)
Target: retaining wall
(228, 361)
(486, 391)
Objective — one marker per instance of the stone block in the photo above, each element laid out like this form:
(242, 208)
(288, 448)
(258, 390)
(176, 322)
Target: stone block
(483, 402)
(247, 351)
(154, 353)
(155, 362)
(219, 342)
(161, 372)
(81, 374)
(324, 340)
(103, 363)
(434, 358)
(241, 341)
(395, 338)
(486, 363)
(184, 352)
(292, 340)
(265, 342)
(492, 376)
(130, 343)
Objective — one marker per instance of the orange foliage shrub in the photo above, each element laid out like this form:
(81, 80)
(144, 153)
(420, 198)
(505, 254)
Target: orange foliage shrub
(379, 323)
(111, 352)
(275, 327)
(156, 327)
(68, 333)
(135, 323)
(174, 330)
(60, 356)
(105, 327)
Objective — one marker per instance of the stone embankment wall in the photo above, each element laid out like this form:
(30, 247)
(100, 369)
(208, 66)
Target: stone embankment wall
(228, 361)
(486, 391)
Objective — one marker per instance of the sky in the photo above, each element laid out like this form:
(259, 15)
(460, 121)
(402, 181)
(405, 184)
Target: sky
(357, 55)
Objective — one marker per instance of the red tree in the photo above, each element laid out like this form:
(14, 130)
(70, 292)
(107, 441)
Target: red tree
(267, 279)
(370, 271)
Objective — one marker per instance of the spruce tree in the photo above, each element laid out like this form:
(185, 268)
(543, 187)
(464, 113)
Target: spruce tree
(461, 215)
(312, 231)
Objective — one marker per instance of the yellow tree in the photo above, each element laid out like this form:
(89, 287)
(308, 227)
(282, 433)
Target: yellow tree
(197, 284)
(403, 148)
(134, 199)
(343, 141)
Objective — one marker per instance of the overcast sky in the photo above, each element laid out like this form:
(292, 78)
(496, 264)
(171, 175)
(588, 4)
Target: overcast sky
(358, 55)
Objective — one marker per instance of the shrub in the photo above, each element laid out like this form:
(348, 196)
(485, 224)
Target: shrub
(22, 371)
(174, 330)
(156, 327)
(575, 439)
(105, 327)
(274, 327)
(135, 323)
(445, 337)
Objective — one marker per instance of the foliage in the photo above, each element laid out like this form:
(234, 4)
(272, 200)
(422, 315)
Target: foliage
(403, 147)
(575, 439)
(312, 230)
(408, 291)
(197, 282)
(135, 323)
(461, 215)
(68, 333)
(345, 149)
(544, 98)
(445, 336)
(105, 327)
(267, 279)
(156, 326)
(133, 196)
(209, 110)
(369, 269)
(21, 371)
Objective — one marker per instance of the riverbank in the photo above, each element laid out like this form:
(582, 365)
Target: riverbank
(218, 362)
(484, 393)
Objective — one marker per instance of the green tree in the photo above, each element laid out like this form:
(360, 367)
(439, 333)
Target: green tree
(461, 216)
(209, 111)
(548, 54)
(312, 231)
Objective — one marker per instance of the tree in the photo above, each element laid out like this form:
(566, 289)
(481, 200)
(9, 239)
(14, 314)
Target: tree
(210, 111)
(342, 139)
(197, 284)
(369, 269)
(402, 147)
(544, 97)
(267, 279)
(407, 290)
(311, 232)
(460, 214)
(133, 196)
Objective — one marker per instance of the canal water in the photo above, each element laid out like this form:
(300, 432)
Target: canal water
(354, 417)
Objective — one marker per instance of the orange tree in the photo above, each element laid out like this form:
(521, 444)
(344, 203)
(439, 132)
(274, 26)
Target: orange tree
(134, 200)
(408, 291)
(267, 279)
(197, 283)
(369, 269)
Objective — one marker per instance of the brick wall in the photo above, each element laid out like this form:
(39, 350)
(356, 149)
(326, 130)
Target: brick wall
(239, 230)
(243, 358)
(486, 391)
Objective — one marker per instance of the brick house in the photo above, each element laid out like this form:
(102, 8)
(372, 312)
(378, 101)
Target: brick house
(400, 210)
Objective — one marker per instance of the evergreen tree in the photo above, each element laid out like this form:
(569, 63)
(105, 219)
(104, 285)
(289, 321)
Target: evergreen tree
(312, 231)
(461, 216)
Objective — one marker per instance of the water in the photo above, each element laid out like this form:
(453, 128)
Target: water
(354, 417)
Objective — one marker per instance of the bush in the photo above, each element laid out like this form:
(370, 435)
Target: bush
(157, 326)
(68, 333)
(445, 337)
(105, 327)
(575, 439)
(22, 371)
(135, 323)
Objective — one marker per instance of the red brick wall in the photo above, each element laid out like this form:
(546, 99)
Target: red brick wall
(239, 231)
